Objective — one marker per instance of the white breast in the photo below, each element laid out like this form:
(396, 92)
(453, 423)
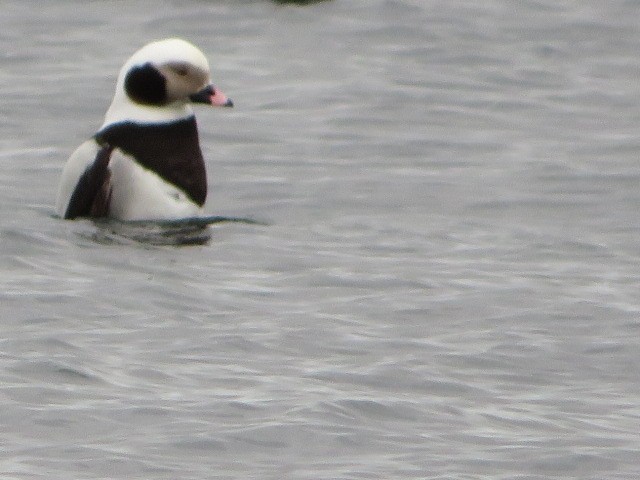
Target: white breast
(140, 194)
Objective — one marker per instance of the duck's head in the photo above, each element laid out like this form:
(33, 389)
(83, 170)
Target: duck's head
(160, 81)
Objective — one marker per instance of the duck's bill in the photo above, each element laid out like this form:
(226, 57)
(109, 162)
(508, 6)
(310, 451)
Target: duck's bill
(211, 96)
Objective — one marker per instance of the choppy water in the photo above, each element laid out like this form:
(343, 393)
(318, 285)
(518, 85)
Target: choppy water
(443, 283)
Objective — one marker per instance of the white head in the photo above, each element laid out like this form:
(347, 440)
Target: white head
(160, 81)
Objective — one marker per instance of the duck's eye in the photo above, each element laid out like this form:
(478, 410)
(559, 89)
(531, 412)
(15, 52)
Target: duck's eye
(181, 70)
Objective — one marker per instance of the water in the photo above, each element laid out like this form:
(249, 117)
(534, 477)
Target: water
(442, 281)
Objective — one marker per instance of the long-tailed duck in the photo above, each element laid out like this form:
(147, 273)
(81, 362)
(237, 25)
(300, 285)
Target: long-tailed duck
(145, 162)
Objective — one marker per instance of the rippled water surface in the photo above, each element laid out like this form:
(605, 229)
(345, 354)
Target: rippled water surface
(442, 280)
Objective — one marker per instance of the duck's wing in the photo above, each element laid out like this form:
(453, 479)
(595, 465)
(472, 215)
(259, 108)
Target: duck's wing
(84, 189)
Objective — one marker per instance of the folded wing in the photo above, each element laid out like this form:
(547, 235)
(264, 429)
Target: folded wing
(86, 191)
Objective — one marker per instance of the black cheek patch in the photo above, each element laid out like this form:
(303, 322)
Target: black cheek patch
(145, 84)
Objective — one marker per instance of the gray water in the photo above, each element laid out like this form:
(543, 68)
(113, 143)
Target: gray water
(443, 281)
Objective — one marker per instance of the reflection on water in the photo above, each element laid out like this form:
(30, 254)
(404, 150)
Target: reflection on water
(299, 2)
(183, 232)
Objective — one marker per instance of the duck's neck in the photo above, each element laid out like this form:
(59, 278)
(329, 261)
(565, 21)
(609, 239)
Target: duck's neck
(123, 109)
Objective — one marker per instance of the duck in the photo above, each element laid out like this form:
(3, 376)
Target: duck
(145, 162)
